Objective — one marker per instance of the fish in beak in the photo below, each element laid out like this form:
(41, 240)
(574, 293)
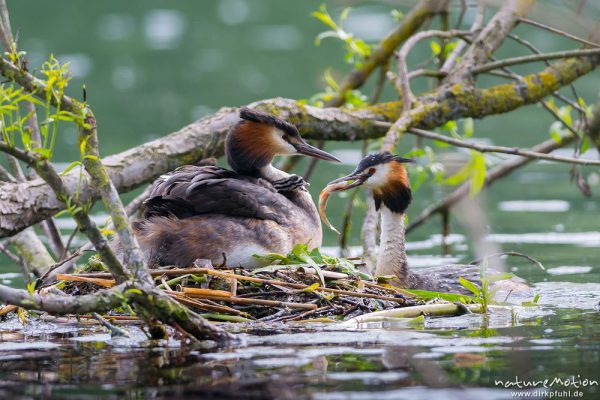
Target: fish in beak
(344, 183)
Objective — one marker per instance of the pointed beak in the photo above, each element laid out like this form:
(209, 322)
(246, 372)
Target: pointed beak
(347, 182)
(308, 150)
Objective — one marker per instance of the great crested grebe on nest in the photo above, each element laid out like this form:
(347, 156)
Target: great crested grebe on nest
(386, 176)
(208, 212)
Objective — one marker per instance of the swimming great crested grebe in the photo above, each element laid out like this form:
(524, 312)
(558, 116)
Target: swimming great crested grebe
(208, 212)
(386, 176)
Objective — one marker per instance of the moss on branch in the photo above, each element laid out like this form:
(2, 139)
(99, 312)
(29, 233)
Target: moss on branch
(24, 204)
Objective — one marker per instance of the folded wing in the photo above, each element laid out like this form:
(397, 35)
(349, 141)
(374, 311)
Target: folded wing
(196, 190)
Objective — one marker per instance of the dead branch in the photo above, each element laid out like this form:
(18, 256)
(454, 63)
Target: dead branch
(403, 73)
(501, 149)
(559, 32)
(533, 58)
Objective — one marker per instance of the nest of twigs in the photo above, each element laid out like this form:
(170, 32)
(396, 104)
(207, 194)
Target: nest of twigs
(277, 293)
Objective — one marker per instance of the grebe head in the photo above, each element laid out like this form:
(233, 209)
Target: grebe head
(253, 142)
(385, 175)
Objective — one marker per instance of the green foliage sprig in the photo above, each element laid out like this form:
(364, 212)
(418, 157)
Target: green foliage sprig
(485, 293)
(356, 49)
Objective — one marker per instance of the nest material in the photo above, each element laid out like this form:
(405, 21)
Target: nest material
(277, 294)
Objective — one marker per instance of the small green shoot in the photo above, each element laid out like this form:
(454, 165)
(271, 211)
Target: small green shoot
(485, 293)
(532, 303)
(300, 254)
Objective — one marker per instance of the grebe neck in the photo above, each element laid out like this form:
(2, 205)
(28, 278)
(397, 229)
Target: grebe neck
(392, 252)
(270, 173)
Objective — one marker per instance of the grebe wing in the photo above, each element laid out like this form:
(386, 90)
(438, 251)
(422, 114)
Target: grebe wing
(196, 190)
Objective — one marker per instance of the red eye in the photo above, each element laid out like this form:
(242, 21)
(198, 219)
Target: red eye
(372, 171)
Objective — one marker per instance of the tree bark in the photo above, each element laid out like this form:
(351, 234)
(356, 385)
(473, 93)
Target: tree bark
(25, 204)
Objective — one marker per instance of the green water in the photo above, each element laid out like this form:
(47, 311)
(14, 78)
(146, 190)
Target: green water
(151, 67)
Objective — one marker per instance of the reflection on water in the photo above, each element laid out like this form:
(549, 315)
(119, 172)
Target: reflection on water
(318, 361)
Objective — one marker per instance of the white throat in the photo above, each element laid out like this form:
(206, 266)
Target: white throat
(392, 252)
(273, 174)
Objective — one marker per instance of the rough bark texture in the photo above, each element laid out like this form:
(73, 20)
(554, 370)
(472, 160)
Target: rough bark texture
(32, 251)
(489, 39)
(103, 300)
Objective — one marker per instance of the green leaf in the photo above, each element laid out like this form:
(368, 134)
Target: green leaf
(44, 153)
(585, 145)
(441, 145)
(470, 286)
(468, 127)
(31, 287)
(70, 167)
(301, 253)
(451, 127)
(361, 47)
(316, 255)
(436, 49)
(565, 115)
(536, 298)
(417, 321)
(478, 174)
(452, 297)
(499, 277)
(556, 131)
(323, 16)
(311, 288)
(459, 177)
(319, 274)
(26, 138)
(344, 14)
(330, 81)
(82, 145)
(552, 105)
(397, 15)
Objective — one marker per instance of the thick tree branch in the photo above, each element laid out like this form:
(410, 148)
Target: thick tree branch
(85, 224)
(103, 300)
(133, 257)
(22, 205)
